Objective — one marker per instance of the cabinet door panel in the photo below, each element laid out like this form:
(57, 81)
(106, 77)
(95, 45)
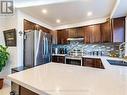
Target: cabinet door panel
(92, 34)
(118, 29)
(24, 91)
(62, 36)
(93, 62)
(89, 62)
(87, 34)
(58, 59)
(98, 64)
(96, 34)
(28, 25)
(106, 32)
(54, 58)
(71, 32)
(80, 32)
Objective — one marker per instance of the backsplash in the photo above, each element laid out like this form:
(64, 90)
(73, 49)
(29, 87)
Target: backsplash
(103, 49)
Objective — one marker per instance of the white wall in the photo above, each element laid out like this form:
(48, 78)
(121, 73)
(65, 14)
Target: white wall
(8, 22)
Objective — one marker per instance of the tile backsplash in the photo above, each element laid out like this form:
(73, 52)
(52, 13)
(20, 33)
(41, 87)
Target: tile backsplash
(103, 49)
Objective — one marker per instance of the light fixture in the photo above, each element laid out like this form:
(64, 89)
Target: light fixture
(89, 14)
(44, 11)
(58, 21)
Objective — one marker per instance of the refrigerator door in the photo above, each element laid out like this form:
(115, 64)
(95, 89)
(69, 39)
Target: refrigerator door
(28, 49)
(47, 48)
(39, 53)
(37, 48)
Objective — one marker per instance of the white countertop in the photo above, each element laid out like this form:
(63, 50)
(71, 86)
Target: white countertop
(62, 79)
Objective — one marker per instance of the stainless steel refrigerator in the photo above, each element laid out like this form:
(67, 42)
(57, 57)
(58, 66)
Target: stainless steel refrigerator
(37, 48)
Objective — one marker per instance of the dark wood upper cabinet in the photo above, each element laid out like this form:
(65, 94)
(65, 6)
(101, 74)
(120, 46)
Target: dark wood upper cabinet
(110, 31)
(106, 32)
(118, 26)
(75, 32)
(87, 34)
(80, 32)
(28, 25)
(62, 36)
(71, 32)
(92, 34)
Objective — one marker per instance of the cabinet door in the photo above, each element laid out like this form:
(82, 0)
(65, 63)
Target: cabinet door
(118, 25)
(80, 32)
(61, 59)
(24, 91)
(93, 62)
(98, 64)
(54, 58)
(87, 34)
(96, 34)
(88, 62)
(75, 32)
(58, 59)
(71, 32)
(62, 36)
(92, 34)
(106, 32)
(29, 25)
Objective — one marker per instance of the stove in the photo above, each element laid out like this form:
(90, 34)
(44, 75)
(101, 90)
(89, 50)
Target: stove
(73, 60)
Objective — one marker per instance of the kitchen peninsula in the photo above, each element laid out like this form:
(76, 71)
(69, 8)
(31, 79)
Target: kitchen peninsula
(56, 79)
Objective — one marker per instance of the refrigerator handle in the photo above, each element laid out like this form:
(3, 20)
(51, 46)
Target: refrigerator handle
(25, 37)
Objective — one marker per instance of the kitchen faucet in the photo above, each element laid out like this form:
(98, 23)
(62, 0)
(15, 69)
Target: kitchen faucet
(121, 54)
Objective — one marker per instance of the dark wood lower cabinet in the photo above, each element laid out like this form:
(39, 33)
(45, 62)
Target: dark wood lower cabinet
(58, 59)
(24, 91)
(92, 62)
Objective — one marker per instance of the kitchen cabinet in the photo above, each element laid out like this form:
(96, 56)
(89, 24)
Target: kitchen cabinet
(24, 91)
(113, 30)
(93, 62)
(106, 32)
(71, 32)
(28, 25)
(92, 34)
(75, 32)
(80, 32)
(62, 36)
(58, 59)
(118, 26)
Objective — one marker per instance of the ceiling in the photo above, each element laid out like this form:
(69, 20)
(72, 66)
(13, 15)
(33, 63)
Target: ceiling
(121, 9)
(28, 3)
(72, 12)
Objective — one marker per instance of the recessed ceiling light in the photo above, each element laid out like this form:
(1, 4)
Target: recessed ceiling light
(89, 14)
(58, 21)
(44, 11)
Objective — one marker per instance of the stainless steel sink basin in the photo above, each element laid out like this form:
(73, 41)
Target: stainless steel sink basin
(117, 62)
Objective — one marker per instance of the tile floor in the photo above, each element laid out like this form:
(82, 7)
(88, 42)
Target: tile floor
(5, 90)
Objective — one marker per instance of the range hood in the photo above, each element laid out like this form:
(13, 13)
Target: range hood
(75, 39)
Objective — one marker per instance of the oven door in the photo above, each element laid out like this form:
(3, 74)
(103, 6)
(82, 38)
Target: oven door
(74, 61)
